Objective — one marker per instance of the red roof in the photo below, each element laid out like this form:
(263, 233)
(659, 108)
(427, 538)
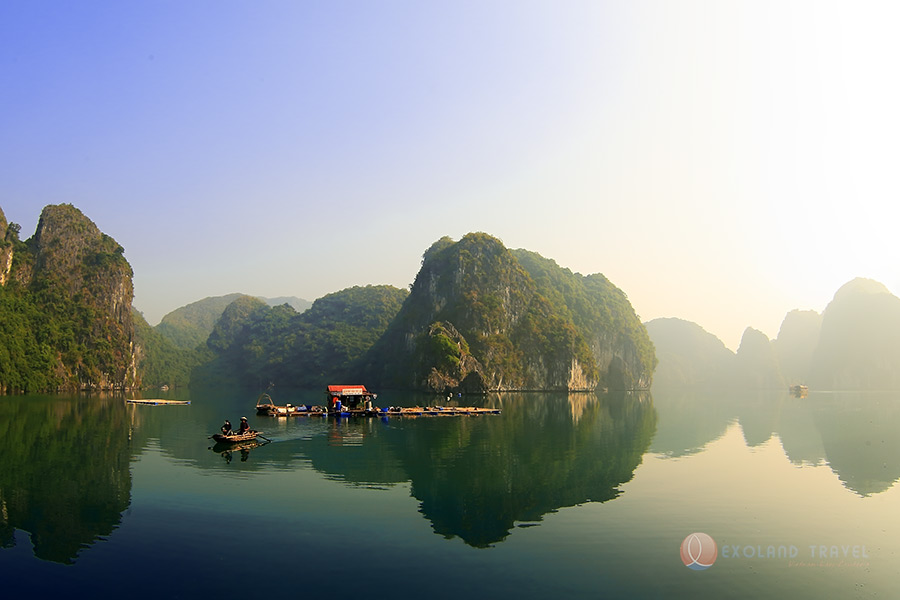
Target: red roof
(348, 390)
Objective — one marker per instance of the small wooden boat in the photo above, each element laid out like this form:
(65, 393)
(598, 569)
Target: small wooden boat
(799, 391)
(264, 404)
(221, 447)
(235, 438)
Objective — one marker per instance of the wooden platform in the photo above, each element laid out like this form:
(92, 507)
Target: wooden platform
(415, 411)
(157, 401)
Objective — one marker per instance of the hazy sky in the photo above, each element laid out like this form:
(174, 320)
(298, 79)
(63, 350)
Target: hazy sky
(720, 161)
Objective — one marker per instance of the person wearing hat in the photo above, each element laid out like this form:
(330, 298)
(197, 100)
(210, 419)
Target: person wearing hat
(245, 426)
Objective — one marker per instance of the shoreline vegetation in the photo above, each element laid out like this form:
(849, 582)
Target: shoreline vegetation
(478, 318)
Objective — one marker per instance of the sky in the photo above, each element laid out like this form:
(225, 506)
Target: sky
(720, 161)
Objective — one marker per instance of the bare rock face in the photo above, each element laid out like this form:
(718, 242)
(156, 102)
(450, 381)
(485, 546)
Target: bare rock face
(6, 250)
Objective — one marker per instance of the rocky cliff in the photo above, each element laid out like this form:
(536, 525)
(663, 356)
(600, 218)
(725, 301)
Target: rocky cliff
(689, 355)
(755, 365)
(66, 302)
(7, 238)
(859, 343)
(481, 317)
(853, 345)
(796, 342)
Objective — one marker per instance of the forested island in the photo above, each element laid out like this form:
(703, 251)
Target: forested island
(479, 317)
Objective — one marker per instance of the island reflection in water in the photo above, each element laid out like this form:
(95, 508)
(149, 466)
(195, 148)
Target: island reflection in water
(65, 476)
(854, 433)
(476, 478)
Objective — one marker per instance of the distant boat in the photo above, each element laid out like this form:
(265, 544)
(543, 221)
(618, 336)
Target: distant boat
(799, 391)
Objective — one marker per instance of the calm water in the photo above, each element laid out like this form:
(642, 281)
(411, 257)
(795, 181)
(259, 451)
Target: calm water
(560, 496)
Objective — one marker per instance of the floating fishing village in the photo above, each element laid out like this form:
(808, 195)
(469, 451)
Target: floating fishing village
(357, 401)
(343, 401)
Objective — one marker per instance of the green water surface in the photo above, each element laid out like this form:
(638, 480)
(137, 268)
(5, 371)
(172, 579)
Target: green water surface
(578, 495)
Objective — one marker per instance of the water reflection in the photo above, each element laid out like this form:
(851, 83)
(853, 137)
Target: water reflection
(66, 480)
(65, 476)
(853, 433)
(860, 441)
(226, 450)
(476, 478)
(546, 452)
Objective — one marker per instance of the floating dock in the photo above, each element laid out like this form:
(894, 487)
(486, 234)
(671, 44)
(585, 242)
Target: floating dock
(157, 401)
(393, 411)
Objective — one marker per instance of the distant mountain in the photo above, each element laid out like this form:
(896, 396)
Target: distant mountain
(796, 342)
(65, 307)
(298, 304)
(255, 344)
(853, 345)
(755, 365)
(691, 357)
(161, 361)
(688, 354)
(481, 317)
(859, 344)
(189, 326)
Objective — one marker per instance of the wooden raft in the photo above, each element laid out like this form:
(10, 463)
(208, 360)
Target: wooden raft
(415, 411)
(157, 401)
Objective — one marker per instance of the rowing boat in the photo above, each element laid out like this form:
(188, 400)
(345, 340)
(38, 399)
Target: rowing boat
(220, 447)
(236, 437)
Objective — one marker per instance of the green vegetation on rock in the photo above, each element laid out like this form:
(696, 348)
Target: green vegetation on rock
(481, 317)
(189, 326)
(65, 307)
(253, 344)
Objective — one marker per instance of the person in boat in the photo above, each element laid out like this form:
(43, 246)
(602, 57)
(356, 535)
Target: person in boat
(245, 426)
(226, 428)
